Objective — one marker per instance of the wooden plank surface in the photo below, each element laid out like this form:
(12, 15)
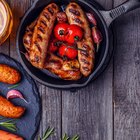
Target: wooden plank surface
(127, 76)
(88, 112)
(51, 99)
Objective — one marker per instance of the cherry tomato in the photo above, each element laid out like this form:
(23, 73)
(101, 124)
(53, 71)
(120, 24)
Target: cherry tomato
(75, 33)
(54, 44)
(60, 31)
(67, 51)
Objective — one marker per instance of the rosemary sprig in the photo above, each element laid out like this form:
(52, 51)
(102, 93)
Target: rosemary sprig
(50, 131)
(10, 125)
(47, 134)
(39, 138)
(14, 86)
(65, 137)
(74, 47)
(76, 137)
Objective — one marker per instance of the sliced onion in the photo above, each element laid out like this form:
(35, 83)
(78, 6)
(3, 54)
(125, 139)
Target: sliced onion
(91, 18)
(15, 94)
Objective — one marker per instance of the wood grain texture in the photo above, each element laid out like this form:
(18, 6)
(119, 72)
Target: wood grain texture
(51, 111)
(4, 48)
(51, 99)
(127, 76)
(88, 112)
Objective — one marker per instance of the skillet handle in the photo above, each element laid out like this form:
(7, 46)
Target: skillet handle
(111, 15)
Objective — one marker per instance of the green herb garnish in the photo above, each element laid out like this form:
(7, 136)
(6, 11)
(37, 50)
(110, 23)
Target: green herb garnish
(65, 137)
(14, 86)
(76, 137)
(47, 134)
(9, 124)
(50, 131)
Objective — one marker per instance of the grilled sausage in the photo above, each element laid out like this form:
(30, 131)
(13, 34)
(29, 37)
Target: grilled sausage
(9, 136)
(7, 109)
(68, 70)
(86, 58)
(28, 35)
(41, 35)
(9, 75)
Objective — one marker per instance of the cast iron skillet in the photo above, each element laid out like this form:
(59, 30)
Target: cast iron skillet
(104, 19)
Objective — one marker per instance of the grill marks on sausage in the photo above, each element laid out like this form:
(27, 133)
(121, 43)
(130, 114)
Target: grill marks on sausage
(46, 15)
(86, 69)
(77, 20)
(37, 58)
(38, 46)
(86, 47)
(27, 42)
(39, 37)
(84, 61)
(50, 10)
(84, 53)
(43, 22)
(40, 28)
(39, 40)
(75, 12)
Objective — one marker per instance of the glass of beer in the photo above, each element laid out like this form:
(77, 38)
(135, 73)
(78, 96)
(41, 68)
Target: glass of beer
(6, 21)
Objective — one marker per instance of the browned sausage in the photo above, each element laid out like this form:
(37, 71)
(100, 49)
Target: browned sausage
(28, 35)
(7, 109)
(86, 58)
(68, 70)
(9, 75)
(9, 136)
(41, 35)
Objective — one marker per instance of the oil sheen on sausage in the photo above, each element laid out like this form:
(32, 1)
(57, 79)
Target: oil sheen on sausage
(41, 35)
(86, 57)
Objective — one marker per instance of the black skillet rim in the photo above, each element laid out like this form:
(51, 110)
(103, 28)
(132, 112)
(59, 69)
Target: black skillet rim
(91, 77)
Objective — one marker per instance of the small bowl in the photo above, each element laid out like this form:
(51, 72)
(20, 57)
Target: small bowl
(6, 21)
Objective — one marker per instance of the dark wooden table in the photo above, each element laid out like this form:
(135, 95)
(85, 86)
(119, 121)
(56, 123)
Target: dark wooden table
(107, 109)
